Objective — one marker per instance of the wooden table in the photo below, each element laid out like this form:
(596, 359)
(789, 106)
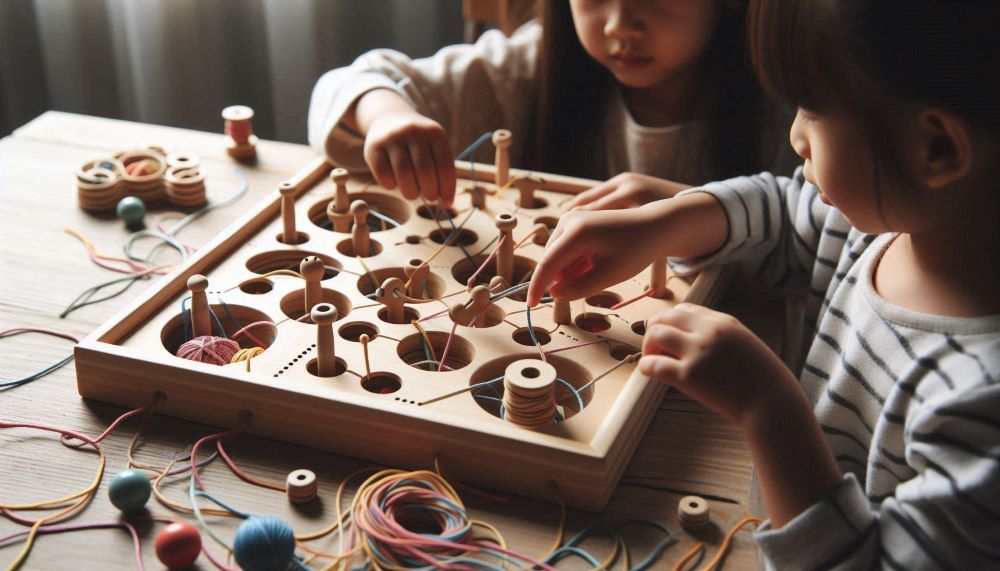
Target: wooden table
(687, 450)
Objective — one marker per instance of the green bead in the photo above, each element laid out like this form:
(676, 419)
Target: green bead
(129, 490)
(131, 210)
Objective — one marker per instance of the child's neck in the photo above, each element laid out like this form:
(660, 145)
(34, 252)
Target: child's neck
(953, 273)
(667, 103)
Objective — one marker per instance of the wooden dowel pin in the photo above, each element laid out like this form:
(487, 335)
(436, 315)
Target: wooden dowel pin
(201, 322)
(561, 312)
(360, 234)
(416, 275)
(526, 187)
(506, 223)
(473, 312)
(323, 315)
(658, 278)
(312, 269)
(288, 233)
(390, 295)
(341, 203)
(502, 141)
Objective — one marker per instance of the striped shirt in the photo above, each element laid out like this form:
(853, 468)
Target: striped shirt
(909, 402)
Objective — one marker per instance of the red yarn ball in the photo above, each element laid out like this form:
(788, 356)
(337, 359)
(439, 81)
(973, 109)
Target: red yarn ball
(178, 545)
(209, 349)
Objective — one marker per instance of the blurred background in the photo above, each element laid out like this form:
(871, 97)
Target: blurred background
(179, 62)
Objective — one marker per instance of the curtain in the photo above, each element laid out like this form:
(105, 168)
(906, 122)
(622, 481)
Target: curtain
(179, 62)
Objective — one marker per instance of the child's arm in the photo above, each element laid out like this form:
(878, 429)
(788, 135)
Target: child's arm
(465, 90)
(626, 190)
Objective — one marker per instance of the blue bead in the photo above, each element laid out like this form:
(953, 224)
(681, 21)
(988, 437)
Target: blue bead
(131, 210)
(264, 543)
(129, 490)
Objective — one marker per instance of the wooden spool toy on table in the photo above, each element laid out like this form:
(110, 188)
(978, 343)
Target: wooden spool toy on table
(241, 143)
(401, 341)
(148, 174)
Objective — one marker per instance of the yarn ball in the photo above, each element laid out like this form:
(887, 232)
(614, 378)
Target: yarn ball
(264, 543)
(129, 490)
(178, 545)
(209, 349)
(132, 211)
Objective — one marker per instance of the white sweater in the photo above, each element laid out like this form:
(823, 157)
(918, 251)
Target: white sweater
(909, 402)
(471, 89)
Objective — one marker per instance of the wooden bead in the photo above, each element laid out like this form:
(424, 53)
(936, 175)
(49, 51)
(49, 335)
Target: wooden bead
(178, 545)
(129, 490)
(693, 513)
(302, 486)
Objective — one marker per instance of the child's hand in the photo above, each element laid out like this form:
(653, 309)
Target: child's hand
(714, 359)
(626, 190)
(589, 251)
(405, 148)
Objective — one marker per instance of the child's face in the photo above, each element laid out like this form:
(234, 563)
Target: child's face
(838, 162)
(645, 42)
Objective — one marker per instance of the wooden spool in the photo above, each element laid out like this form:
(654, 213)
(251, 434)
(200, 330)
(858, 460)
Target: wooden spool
(241, 143)
(693, 513)
(323, 315)
(201, 322)
(301, 486)
(529, 396)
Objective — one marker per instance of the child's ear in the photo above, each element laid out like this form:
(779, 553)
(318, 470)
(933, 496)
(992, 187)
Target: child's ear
(944, 147)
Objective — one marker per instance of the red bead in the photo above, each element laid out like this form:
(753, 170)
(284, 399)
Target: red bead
(178, 545)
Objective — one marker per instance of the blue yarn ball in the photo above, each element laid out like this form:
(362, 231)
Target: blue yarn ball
(264, 543)
(131, 210)
(129, 490)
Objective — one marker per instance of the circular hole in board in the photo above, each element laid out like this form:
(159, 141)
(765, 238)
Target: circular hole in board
(463, 269)
(289, 260)
(346, 247)
(409, 314)
(536, 203)
(605, 299)
(257, 287)
(300, 238)
(435, 212)
(389, 206)
(354, 331)
(381, 383)
(294, 304)
(340, 367)
(639, 327)
(433, 287)
(463, 237)
(619, 351)
(592, 322)
(489, 397)
(411, 350)
(413, 239)
(236, 318)
(523, 336)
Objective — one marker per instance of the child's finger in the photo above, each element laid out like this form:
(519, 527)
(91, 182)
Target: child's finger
(680, 317)
(617, 198)
(378, 162)
(588, 196)
(581, 286)
(663, 339)
(559, 253)
(424, 169)
(445, 167)
(660, 367)
(402, 168)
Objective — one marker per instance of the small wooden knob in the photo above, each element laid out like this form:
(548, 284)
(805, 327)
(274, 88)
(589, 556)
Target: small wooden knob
(312, 269)
(323, 314)
(502, 138)
(359, 209)
(237, 113)
(693, 513)
(197, 283)
(340, 176)
(301, 486)
(506, 222)
(542, 234)
(286, 189)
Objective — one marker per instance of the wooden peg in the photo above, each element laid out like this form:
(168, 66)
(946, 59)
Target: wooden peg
(526, 186)
(312, 269)
(201, 322)
(658, 278)
(502, 141)
(341, 202)
(417, 273)
(480, 300)
(692, 511)
(390, 295)
(505, 223)
(498, 284)
(339, 221)
(561, 312)
(288, 234)
(360, 233)
(301, 486)
(477, 197)
(542, 234)
(323, 315)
